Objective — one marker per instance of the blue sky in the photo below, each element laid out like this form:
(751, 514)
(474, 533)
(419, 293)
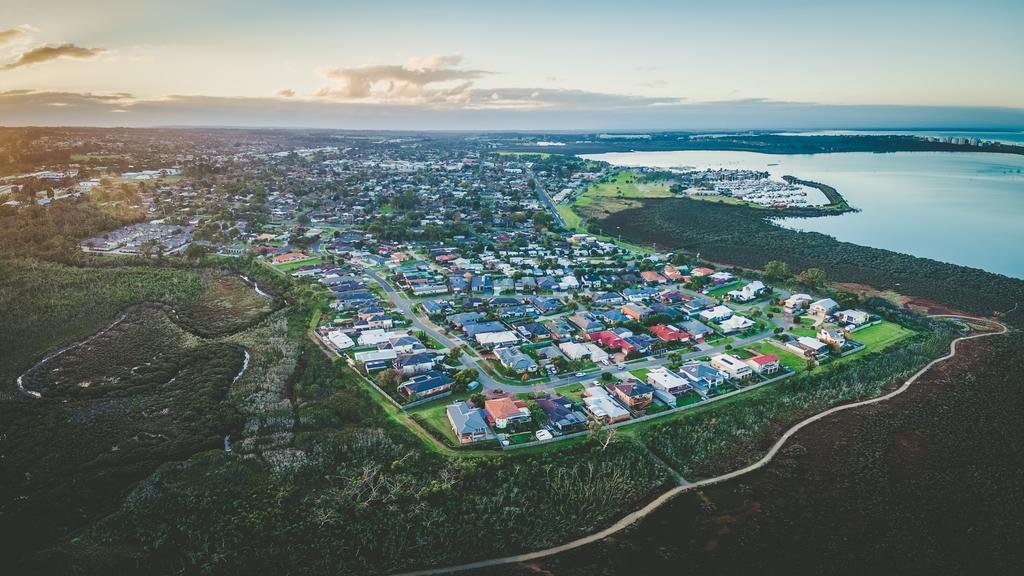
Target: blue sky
(530, 64)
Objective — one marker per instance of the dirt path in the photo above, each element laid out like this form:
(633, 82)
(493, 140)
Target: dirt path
(638, 515)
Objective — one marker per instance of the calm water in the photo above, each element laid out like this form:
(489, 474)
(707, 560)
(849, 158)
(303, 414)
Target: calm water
(964, 208)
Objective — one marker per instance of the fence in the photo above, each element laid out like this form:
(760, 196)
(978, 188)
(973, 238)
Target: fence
(659, 414)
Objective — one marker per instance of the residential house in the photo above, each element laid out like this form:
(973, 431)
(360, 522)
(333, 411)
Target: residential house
(339, 340)
(636, 311)
(514, 359)
(376, 359)
(501, 412)
(716, 314)
(695, 328)
(806, 344)
(736, 369)
(561, 414)
(602, 406)
(764, 363)
(824, 307)
(468, 423)
(664, 379)
(496, 339)
(417, 363)
(695, 305)
(797, 303)
(606, 298)
(854, 317)
(425, 385)
(735, 324)
(652, 277)
(749, 292)
(702, 376)
(832, 337)
(669, 333)
(633, 393)
(587, 322)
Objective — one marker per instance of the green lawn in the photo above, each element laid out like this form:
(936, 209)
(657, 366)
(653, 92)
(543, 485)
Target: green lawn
(624, 185)
(434, 417)
(806, 320)
(810, 332)
(722, 290)
(573, 392)
(688, 398)
(788, 359)
(298, 264)
(640, 374)
(881, 335)
(572, 219)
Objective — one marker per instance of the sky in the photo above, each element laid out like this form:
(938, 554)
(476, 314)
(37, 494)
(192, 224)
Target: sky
(727, 64)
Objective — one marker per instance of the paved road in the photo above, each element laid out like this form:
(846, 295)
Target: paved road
(544, 197)
(637, 515)
(407, 306)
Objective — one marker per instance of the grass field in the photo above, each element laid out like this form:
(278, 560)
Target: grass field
(809, 332)
(722, 290)
(640, 374)
(298, 264)
(881, 335)
(788, 359)
(434, 417)
(573, 392)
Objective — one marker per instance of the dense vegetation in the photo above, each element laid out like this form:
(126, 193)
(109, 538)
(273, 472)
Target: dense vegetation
(715, 441)
(928, 483)
(744, 237)
(764, 143)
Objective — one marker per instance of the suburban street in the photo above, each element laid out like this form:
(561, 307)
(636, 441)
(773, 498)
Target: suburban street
(488, 382)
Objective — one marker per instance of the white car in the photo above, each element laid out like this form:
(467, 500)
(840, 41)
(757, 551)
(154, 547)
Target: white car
(580, 374)
(543, 435)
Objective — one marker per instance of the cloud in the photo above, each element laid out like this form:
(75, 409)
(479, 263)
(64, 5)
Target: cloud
(17, 33)
(566, 110)
(408, 82)
(286, 93)
(53, 52)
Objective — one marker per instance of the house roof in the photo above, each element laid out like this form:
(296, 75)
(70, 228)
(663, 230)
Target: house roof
(764, 359)
(466, 420)
(503, 408)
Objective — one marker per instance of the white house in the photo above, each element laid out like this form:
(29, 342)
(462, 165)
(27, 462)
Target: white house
(855, 317)
(824, 307)
(731, 365)
(664, 379)
(735, 324)
(495, 339)
(716, 314)
(340, 340)
(748, 292)
(574, 350)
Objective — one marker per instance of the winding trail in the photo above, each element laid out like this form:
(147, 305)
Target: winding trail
(20, 382)
(637, 515)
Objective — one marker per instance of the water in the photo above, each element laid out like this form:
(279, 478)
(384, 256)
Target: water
(961, 207)
(1016, 138)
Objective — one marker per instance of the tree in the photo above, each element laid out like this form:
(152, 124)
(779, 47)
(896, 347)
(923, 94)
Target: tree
(389, 379)
(812, 277)
(776, 270)
(463, 378)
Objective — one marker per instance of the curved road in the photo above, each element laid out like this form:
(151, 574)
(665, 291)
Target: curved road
(637, 515)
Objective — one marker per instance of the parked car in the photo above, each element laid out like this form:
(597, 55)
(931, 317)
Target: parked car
(580, 374)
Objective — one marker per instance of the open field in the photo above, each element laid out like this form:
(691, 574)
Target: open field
(289, 266)
(786, 358)
(881, 335)
(881, 489)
